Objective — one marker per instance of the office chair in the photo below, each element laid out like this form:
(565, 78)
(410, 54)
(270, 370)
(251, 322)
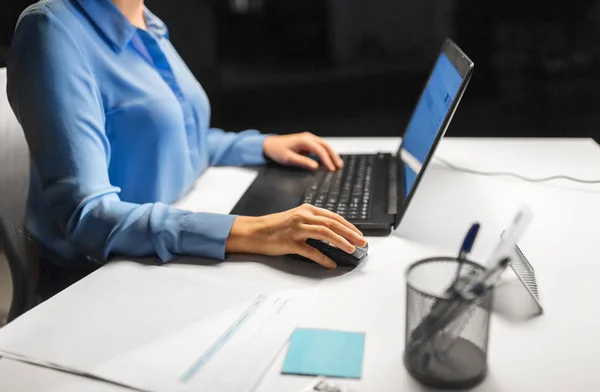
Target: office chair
(14, 187)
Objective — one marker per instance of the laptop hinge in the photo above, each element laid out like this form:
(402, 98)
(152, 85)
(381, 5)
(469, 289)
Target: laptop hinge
(392, 186)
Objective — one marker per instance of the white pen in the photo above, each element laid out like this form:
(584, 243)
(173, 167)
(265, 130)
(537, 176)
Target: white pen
(489, 277)
(511, 235)
(501, 256)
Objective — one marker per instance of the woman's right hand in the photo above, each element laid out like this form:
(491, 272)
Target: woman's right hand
(286, 233)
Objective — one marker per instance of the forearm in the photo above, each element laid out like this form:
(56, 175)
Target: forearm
(235, 149)
(112, 227)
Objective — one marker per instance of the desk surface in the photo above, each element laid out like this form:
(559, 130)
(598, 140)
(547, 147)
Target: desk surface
(557, 351)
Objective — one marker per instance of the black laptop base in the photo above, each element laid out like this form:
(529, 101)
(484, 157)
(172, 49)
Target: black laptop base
(278, 188)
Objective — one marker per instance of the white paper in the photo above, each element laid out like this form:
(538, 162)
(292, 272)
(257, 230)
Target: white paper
(150, 325)
(17, 376)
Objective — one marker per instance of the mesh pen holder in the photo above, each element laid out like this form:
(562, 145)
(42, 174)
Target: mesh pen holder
(446, 336)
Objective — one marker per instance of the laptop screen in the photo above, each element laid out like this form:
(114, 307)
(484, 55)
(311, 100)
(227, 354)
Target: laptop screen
(424, 126)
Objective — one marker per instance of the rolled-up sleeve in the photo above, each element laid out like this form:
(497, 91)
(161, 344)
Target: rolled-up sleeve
(57, 101)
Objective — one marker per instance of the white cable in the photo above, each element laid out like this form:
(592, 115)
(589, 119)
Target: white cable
(543, 179)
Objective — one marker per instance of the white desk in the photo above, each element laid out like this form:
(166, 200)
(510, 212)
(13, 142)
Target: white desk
(557, 351)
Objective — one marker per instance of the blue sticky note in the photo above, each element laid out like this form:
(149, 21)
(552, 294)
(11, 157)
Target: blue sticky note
(328, 353)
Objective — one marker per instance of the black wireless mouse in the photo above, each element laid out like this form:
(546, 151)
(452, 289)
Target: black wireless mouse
(339, 256)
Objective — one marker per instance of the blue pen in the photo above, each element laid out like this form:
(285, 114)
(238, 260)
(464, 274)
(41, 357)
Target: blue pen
(469, 240)
(465, 248)
(442, 309)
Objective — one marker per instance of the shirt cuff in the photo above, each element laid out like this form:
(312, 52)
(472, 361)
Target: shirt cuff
(251, 150)
(205, 234)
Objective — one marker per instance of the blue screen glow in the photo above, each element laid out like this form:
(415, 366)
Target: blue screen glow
(432, 108)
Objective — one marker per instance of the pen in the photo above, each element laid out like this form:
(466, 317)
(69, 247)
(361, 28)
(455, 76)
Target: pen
(469, 240)
(465, 249)
(500, 257)
(507, 244)
(490, 277)
(442, 309)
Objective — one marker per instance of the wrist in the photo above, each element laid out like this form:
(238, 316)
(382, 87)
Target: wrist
(242, 236)
(267, 146)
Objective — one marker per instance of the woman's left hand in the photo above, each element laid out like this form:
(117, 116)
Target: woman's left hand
(289, 150)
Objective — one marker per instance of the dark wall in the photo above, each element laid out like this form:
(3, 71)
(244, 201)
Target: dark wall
(9, 13)
(356, 67)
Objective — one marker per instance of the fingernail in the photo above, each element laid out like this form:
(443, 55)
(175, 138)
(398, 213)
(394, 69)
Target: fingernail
(361, 241)
(350, 249)
(332, 266)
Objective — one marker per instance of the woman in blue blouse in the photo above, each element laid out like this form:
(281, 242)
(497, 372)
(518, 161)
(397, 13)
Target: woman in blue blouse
(118, 129)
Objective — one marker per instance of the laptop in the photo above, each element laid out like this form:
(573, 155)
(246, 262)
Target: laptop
(372, 191)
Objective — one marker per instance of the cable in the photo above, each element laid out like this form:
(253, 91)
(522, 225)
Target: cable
(528, 179)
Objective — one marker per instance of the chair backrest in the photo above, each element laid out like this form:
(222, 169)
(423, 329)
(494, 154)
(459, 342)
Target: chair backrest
(14, 188)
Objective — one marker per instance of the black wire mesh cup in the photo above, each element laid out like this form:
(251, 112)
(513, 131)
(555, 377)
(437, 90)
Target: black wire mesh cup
(446, 335)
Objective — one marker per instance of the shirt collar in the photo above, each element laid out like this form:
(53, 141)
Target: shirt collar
(115, 26)
(155, 25)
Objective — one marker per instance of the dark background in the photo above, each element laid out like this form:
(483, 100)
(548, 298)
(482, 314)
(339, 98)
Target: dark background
(356, 67)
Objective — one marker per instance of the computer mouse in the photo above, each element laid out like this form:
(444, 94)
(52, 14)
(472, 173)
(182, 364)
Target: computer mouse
(339, 256)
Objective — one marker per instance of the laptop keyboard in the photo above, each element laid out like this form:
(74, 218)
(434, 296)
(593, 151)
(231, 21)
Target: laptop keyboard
(346, 192)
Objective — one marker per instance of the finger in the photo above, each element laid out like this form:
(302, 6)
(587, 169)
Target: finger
(311, 253)
(332, 153)
(314, 147)
(338, 228)
(336, 217)
(325, 234)
(302, 161)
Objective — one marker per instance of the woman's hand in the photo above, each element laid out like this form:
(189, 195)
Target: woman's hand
(288, 150)
(286, 233)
